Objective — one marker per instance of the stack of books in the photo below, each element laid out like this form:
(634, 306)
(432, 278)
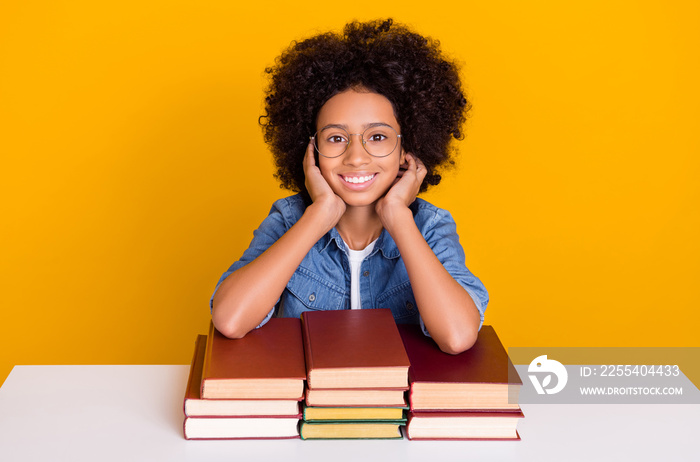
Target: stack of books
(472, 395)
(246, 388)
(351, 368)
(357, 375)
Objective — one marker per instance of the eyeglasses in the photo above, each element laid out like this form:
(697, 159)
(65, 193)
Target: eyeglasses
(378, 140)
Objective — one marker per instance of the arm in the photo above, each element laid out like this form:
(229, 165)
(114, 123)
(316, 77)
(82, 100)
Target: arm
(447, 309)
(246, 296)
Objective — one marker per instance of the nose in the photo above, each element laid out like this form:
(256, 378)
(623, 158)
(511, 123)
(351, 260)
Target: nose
(355, 154)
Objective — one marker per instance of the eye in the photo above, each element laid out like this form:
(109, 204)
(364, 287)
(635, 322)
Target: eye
(336, 139)
(376, 137)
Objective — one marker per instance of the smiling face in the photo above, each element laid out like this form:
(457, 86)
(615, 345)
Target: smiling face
(357, 177)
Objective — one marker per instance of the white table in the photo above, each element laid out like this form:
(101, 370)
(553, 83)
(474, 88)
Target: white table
(134, 413)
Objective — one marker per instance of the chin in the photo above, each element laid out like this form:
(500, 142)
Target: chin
(355, 201)
(361, 199)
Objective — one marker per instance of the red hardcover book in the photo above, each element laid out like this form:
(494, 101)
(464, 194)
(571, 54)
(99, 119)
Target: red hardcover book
(466, 425)
(482, 377)
(268, 363)
(195, 406)
(354, 349)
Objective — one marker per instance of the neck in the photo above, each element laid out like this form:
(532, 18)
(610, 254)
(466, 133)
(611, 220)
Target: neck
(359, 226)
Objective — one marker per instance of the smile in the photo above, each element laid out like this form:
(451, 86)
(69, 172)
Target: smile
(358, 179)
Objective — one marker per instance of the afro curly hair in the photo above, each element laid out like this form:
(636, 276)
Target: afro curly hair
(380, 56)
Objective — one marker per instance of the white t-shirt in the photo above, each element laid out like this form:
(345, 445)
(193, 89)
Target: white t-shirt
(356, 257)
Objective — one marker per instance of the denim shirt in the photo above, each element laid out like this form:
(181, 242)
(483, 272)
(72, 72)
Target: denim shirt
(322, 280)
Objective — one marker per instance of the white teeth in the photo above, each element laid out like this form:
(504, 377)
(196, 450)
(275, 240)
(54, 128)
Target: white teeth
(358, 179)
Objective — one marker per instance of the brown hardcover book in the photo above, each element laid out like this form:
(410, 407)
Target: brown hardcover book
(194, 406)
(354, 349)
(482, 377)
(358, 397)
(268, 363)
(474, 425)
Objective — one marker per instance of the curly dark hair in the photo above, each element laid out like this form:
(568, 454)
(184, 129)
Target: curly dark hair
(383, 57)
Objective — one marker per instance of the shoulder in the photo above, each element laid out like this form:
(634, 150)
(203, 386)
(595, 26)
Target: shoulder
(428, 215)
(291, 208)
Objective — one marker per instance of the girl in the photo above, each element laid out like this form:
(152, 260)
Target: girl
(359, 124)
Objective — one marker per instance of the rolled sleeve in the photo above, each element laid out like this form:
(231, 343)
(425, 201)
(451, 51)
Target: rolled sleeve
(269, 231)
(440, 232)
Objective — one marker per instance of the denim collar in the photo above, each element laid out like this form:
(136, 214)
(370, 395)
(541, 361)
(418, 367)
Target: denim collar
(385, 244)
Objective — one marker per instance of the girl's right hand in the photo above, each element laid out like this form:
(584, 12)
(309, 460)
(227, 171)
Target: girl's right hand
(326, 203)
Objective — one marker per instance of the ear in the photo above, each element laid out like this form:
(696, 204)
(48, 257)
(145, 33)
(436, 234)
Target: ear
(402, 157)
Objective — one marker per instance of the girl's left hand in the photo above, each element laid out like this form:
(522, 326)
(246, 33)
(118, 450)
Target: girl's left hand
(404, 189)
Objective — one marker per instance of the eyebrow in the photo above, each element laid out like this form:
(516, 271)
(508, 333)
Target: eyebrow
(364, 127)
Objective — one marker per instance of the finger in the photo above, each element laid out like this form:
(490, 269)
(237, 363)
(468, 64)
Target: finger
(411, 161)
(309, 158)
(309, 165)
(419, 163)
(421, 170)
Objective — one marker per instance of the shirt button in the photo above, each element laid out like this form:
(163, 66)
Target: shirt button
(365, 274)
(409, 306)
(312, 297)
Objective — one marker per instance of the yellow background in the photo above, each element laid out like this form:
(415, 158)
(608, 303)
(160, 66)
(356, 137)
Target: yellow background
(133, 171)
